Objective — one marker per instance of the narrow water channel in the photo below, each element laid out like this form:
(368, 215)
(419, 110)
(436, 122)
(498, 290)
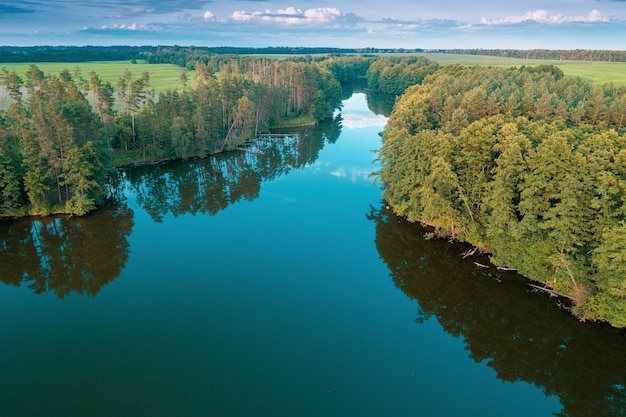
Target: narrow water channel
(275, 282)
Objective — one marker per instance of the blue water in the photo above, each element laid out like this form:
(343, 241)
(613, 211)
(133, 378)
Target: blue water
(275, 306)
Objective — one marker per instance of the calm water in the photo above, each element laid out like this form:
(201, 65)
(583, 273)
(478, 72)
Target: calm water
(276, 283)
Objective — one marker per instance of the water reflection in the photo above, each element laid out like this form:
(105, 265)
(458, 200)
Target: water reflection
(360, 115)
(523, 336)
(380, 103)
(212, 184)
(66, 254)
(81, 255)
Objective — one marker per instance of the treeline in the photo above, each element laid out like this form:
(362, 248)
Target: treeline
(70, 53)
(183, 56)
(550, 54)
(524, 164)
(188, 56)
(60, 132)
(393, 75)
(221, 113)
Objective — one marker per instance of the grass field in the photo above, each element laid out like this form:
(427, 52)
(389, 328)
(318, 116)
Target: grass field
(162, 76)
(165, 76)
(594, 72)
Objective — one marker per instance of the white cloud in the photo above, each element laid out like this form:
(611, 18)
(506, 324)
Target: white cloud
(543, 16)
(361, 120)
(123, 26)
(339, 173)
(289, 16)
(322, 15)
(208, 15)
(355, 174)
(241, 16)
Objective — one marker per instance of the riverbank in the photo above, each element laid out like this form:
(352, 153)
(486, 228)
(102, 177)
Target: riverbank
(121, 158)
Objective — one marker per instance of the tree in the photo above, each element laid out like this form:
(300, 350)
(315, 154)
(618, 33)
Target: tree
(242, 126)
(10, 187)
(327, 97)
(609, 300)
(84, 174)
(103, 98)
(183, 78)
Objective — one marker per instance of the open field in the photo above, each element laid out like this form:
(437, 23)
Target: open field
(165, 76)
(162, 76)
(594, 72)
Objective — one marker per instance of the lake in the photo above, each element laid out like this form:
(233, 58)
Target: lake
(275, 282)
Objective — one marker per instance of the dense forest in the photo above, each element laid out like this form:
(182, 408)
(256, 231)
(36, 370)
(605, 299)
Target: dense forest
(393, 75)
(524, 164)
(60, 132)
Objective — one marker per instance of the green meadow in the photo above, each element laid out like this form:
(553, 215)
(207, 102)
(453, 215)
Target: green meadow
(162, 76)
(166, 76)
(594, 72)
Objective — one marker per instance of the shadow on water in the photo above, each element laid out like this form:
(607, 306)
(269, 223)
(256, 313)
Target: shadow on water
(66, 254)
(522, 335)
(380, 103)
(212, 184)
(82, 254)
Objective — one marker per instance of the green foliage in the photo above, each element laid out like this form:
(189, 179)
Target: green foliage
(51, 154)
(393, 75)
(609, 258)
(546, 196)
(10, 189)
(56, 140)
(84, 174)
(327, 97)
(220, 113)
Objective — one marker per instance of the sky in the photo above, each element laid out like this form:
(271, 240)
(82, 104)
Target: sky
(437, 24)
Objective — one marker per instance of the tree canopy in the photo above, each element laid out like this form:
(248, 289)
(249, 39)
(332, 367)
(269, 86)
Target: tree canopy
(59, 133)
(524, 164)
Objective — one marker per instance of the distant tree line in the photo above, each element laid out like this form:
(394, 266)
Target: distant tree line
(183, 56)
(187, 56)
(522, 163)
(549, 54)
(69, 53)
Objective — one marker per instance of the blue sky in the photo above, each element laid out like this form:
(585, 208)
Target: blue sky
(550, 24)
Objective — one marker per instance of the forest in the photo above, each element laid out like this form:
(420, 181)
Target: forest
(61, 133)
(524, 164)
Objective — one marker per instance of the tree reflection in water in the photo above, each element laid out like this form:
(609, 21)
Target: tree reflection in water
(210, 185)
(66, 254)
(522, 335)
(82, 254)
